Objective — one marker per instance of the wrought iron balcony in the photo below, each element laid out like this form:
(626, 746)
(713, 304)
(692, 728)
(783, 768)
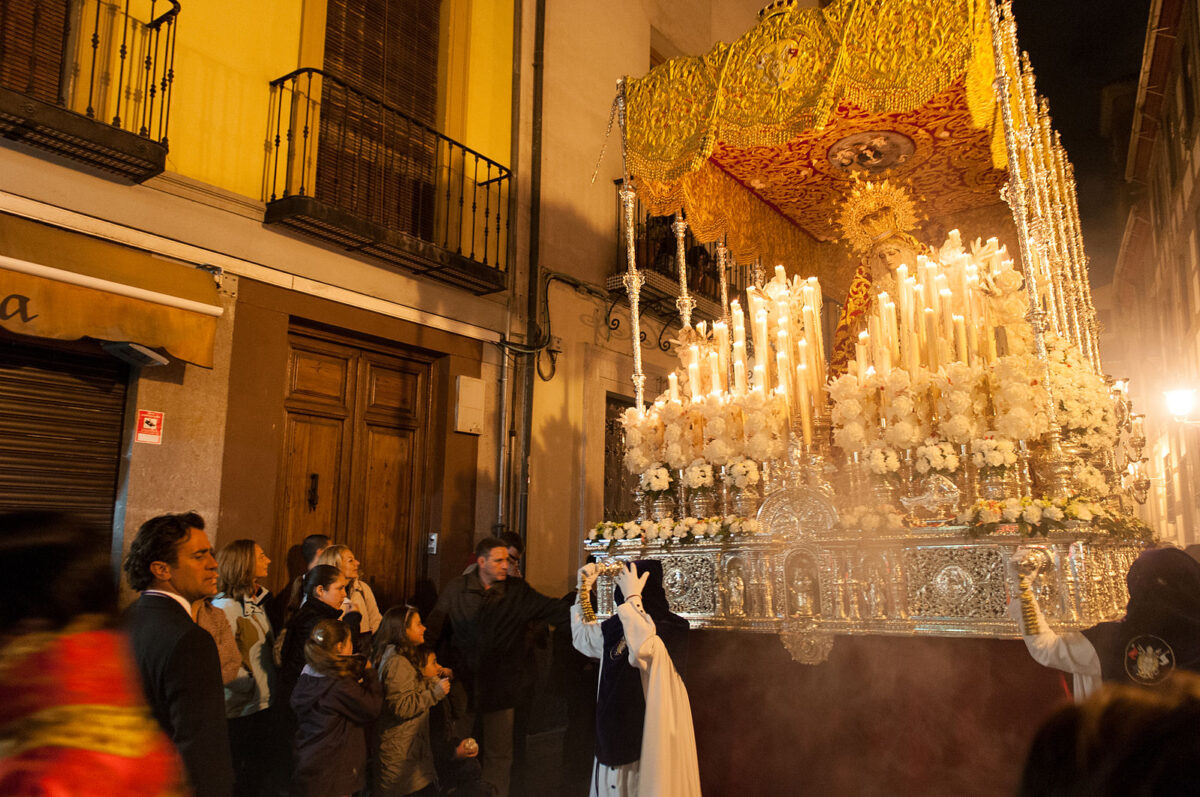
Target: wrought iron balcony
(656, 252)
(352, 171)
(89, 81)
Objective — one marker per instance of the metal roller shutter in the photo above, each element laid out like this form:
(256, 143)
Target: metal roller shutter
(61, 420)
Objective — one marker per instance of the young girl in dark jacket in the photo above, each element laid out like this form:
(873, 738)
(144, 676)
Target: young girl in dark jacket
(336, 697)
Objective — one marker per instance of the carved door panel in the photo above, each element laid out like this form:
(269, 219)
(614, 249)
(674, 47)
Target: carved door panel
(354, 446)
(312, 482)
(385, 522)
(314, 472)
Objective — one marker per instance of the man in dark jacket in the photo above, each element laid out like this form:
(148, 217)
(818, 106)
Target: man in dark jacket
(479, 626)
(172, 564)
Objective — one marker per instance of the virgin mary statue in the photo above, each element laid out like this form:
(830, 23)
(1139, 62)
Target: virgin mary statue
(877, 221)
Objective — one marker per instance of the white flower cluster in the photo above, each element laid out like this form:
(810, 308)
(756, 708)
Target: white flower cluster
(871, 518)
(882, 460)
(765, 426)
(743, 472)
(855, 412)
(906, 407)
(655, 479)
(643, 439)
(1091, 481)
(1035, 512)
(721, 422)
(993, 452)
(936, 456)
(1019, 398)
(1008, 306)
(1084, 405)
(962, 401)
(698, 475)
(696, 528)
(679, 432)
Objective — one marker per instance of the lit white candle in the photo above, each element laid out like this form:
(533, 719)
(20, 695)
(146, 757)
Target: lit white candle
(931, 339)
(783, 359)
(760, 379)
(804, 357)
(762, 344)
(781, 272)
(803, 401)
(739, 377)
(945, 300)
(694, 372)
(673, 385)
(860, 351)
(721, 331)
(781, 365)
(739, 322)
(960, 339)
(892, 326)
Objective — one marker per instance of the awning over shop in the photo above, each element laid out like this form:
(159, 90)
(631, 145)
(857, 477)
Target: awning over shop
(55, 283)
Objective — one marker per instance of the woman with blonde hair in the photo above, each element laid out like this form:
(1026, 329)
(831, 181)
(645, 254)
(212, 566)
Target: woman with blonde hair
(241, 565)
(358, 592)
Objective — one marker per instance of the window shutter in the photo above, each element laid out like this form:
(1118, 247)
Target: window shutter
(31, 47)
(61, 422)
(372, 161)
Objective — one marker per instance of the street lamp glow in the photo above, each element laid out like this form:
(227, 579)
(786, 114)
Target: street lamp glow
(1180, 402)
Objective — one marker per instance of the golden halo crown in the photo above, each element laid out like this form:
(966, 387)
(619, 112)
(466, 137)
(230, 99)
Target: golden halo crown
(874, 212)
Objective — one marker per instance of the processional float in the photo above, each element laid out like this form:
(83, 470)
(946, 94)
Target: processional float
(953, 439)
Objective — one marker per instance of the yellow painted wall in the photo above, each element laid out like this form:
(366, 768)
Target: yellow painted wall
(226, 54)
(475, 75)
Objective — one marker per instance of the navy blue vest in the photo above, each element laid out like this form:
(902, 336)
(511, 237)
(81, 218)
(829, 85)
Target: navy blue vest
(620, 705)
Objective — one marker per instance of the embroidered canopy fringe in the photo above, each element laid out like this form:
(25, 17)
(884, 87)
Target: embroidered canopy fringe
(716, 204)
(788, 73)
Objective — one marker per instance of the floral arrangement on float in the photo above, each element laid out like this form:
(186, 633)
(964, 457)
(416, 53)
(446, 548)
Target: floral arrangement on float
(940, 418)
(1040, 516)
(684, 531)
(703, 447)
(883, 518)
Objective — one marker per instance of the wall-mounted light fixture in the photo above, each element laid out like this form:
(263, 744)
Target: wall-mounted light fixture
(1180, 404)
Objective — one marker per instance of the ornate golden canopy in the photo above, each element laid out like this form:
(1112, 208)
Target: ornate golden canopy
(761, 139)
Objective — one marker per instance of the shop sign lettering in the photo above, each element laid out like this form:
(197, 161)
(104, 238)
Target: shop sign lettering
(16, 305)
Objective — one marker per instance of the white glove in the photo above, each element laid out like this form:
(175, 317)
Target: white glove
(587, 576)
(629, 582)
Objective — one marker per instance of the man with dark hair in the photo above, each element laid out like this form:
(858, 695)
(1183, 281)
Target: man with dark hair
(288, 602)
(479, 626)
(171, 563)
(516, 549)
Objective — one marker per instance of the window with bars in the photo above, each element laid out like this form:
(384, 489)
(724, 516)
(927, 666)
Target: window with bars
(618, 482)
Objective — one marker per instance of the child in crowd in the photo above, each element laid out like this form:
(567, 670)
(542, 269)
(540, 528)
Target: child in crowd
(412, 683)
(336, 697)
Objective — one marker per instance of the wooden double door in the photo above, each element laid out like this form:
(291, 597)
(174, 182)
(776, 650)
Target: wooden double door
(354, 454)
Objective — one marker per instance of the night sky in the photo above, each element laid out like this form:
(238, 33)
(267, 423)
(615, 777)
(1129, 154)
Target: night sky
(1077, 47)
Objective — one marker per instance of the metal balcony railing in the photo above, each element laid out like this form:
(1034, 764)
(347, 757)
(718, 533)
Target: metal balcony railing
(656, 251)
(90, 80)
(356, 172)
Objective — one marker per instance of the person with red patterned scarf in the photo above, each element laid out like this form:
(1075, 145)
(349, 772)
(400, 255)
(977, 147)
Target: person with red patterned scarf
(73, 719)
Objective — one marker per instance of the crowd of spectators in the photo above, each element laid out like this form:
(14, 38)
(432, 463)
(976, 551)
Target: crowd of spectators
(207, 684)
